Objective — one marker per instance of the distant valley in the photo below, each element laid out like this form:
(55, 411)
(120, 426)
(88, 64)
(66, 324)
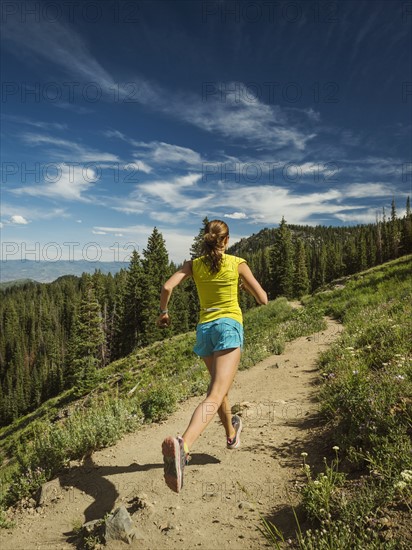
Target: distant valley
(46, 272)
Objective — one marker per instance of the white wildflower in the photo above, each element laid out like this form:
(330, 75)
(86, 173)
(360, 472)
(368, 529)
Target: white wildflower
(407, 475)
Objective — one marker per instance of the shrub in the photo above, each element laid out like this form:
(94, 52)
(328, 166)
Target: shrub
(158, 403)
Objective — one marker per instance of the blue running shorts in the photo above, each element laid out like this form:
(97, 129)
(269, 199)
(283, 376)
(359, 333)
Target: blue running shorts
(217, 335)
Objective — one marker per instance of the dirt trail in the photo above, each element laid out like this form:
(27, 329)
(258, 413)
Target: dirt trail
(280, 421)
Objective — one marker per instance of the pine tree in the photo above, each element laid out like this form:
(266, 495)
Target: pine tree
(197, 246)
(282, 263)
(88, 339)
(394, 233)
(301, 279)
(378, 240)
(406, 241)
(385, 237)
(155, 272)
(319, 266)
(361, 263)
(131, 326)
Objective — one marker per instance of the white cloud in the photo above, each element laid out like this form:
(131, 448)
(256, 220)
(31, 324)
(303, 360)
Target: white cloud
(36, 123)
(237, 116)
(78, 152)
(57, 43)
(367, 215)
(366, 190)
(159, 152)
(236, 216)
(266, 126)
(99, 232)
(127, 205)
(178, 192)
(72, 181)
(166, 153)
(19, 220)
(178, 243)
(140, 166)
(33, 213)
(173, 218)
(257, 203)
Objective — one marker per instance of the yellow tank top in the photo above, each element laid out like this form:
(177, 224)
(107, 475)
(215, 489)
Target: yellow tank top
(218, 292)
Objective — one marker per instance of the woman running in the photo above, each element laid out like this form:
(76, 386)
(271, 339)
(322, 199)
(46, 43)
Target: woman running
(219, 339)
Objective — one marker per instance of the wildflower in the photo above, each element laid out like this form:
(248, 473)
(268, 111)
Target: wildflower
(400, 377)
(304, 455)
(400, 485)
(316, 482)
(407, 475)
(355, 372)
(335, 448)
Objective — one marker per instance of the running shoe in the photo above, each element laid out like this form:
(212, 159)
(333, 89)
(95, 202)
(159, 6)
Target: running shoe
(235, 441)
(175, 459)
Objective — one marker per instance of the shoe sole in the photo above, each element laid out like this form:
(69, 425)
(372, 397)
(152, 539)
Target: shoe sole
(237, 437)
(171, 458)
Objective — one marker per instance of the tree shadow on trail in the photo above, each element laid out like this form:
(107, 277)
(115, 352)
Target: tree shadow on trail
(91, 479)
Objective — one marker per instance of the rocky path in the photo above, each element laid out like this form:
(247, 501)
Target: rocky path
(224, 493)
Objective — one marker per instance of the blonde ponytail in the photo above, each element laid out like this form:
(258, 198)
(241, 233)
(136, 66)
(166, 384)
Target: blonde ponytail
(215, 234)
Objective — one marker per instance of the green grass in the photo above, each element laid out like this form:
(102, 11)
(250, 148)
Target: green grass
(366, 401)
(145, 386)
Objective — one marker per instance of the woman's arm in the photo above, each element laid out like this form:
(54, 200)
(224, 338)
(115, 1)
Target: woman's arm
(167, 289)
(251, 285)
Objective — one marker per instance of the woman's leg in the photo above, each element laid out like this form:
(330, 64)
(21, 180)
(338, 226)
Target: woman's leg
(225, 365)
(224, 411)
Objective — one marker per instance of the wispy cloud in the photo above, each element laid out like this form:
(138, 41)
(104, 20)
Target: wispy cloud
(70, 185)
(56, 43)
(36, 123)
(368, 190)
(263, 203)
(238, 117)
(182, 192)
(61, 148)
(178, 243)
(32, 214)
(158, 152)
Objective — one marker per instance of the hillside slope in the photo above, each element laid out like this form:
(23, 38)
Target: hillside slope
(279, 409)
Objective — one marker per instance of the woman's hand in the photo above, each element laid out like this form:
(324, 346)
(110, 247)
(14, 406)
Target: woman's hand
(163, 321)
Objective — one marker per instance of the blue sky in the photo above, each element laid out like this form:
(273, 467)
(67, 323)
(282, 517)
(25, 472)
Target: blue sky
(120, 116)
